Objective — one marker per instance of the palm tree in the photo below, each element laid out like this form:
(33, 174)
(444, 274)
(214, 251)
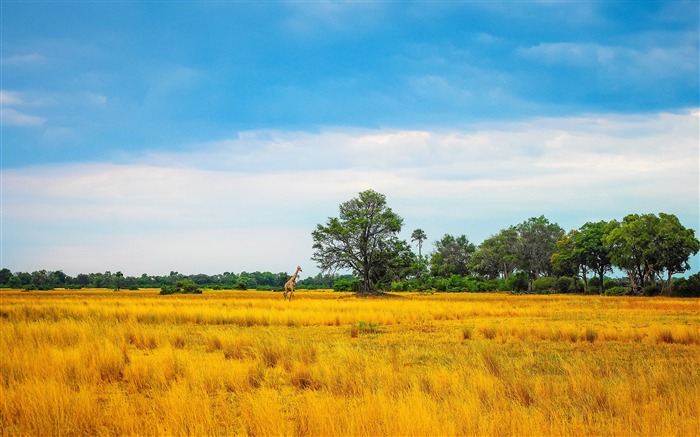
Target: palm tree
(419, 236)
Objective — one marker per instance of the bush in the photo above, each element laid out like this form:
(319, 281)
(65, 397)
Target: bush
(185, 286)
(399, 286)
(345, 284)
(565, 284)
(617, 291)
(168, 289)
(651, 290)
(544, 285)
(517, 282)
(610, 283)
(687, 287)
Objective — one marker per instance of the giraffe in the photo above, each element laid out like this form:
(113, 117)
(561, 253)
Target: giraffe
(289, 286)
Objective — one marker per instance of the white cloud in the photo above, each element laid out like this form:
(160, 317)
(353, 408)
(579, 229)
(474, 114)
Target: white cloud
(658, 61)
(9, 98)
(96, 99)
(24, 60)
(281, 184)
(309, 19)
(12, 117)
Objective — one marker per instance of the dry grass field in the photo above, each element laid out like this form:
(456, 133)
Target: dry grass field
(98, 362)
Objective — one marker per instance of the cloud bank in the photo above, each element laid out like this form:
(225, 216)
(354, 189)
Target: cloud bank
(250, 202)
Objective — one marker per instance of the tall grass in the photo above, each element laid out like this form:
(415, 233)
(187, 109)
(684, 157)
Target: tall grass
(244, 363)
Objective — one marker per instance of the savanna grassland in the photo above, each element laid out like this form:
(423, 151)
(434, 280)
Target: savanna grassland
(97, 362)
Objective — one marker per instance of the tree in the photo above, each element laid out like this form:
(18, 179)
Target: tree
(537, 242)
(674, 245)
(82, 280)
(646, 246)
(118, 277)
(451, 256)
(5, 275)
(419, 236)
(567, 260)
(40, 280)
(58, 278)
(629, 241)
(363, 238)
(496, 255)
(596, 251)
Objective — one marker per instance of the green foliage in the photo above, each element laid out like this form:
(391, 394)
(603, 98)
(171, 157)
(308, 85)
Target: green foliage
(544, 285)
(364, 328)
(617, 291)
(651, 290)
(496, 255)
(536, 243)
(363, 238)
(566, 284)
(184, 286)
(5, 275)
(687, 287)
(517, 282)
(346, 284)
(451, 256)
(646, 246)
(419, 236)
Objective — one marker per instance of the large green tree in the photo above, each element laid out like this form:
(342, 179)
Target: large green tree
(451, 256)
(674, 244)
(364, 239)
(590, 242)
(496, 255)
(567, 260)
(537, 241)
(647, 246)
(629, 241)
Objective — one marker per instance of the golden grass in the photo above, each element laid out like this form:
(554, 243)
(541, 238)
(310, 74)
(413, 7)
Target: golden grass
(96, 362)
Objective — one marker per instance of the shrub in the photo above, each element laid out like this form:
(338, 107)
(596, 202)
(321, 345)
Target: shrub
(617, 291)
(610, 283)
(345, 284)
(398, 286)
(168, 289)
(545, 284)
(185, 286)
(687, 287)
(517, 282)
(565, 284)
(651, 290)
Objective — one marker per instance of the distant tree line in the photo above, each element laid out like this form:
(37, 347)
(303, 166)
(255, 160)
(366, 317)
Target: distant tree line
(48, 280)
(533, 256)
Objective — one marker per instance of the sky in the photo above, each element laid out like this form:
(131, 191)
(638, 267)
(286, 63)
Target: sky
(214, 136)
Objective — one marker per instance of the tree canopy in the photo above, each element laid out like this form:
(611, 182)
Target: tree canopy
(363, 238)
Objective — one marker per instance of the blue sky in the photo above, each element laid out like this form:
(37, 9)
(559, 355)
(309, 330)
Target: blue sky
(214, 136)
